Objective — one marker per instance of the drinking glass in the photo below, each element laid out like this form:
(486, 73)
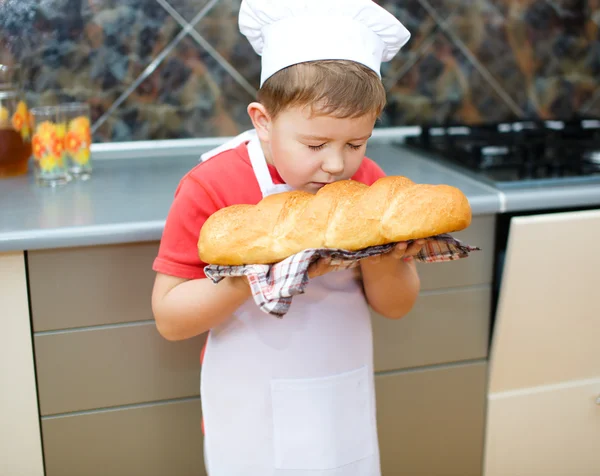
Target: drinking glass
(48, 144)
(78, 139)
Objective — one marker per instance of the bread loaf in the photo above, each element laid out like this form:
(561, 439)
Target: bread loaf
(344, 214)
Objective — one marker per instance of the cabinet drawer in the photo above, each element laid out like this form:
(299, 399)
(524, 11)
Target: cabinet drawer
(79, 287)
(442, 327)
(552, 430)
(98, 368)
(431, 422)
(152, 440)
(478, 268)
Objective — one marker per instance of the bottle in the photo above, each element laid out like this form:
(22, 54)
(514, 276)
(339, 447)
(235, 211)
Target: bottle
(15, 124)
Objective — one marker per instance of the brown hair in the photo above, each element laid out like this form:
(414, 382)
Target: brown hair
(338, 88)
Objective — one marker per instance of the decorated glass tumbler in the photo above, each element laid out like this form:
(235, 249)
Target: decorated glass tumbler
(48, 146)
(78, 139)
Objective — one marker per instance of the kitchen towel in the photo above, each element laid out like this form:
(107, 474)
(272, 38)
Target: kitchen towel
(273, 286)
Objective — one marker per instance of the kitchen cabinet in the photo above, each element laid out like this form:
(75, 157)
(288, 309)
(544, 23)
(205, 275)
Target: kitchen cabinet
(113, 392)
(20, 440)
(431, 421)
(111, 366)
(162, 439)
(444, 326)
(551, 431)
(543, 416)
(91, 286)
(477, 269)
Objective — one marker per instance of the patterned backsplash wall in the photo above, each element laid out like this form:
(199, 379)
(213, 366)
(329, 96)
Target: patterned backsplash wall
(163, 69)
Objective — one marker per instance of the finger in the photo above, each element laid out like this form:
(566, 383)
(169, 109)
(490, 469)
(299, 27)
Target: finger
(325, 268)
(401, 246)
(415, 247)
(316, 268)
(399, 250)
(319, 267)
(313, 269)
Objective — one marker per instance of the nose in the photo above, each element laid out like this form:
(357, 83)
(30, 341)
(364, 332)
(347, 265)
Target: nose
(333, 164)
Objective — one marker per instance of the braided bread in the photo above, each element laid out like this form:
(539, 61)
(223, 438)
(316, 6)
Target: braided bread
(345, 214)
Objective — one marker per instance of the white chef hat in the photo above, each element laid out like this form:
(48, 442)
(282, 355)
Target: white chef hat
(287, 32)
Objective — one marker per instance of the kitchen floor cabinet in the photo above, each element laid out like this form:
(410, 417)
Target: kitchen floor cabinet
(161, 439)
(112, 366)
(20, 442)
(543, 414)
(431, 421)
(444, 326)
(116, 398)
(549, 431)
(91, 286)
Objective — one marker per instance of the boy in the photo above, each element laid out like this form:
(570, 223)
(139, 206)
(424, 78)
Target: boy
(294, 395)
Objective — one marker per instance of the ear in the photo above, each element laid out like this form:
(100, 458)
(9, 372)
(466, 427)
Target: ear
(261, 120)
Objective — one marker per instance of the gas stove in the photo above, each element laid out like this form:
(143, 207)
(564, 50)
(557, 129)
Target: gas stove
(518, 154)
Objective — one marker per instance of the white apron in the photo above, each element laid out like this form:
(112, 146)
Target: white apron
(292, 396)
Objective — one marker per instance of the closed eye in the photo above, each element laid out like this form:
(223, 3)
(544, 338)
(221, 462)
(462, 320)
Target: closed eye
(316, 147)
(319, 147)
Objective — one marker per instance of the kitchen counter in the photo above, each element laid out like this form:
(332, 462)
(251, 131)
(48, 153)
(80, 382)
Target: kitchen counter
(127, 199)
(77, 278)
(129, 195)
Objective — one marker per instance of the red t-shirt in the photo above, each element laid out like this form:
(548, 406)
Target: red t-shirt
(225, 179)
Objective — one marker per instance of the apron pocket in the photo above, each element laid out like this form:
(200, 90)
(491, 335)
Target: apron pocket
(323, 423)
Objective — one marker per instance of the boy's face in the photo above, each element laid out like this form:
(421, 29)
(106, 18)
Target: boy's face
(310, 152)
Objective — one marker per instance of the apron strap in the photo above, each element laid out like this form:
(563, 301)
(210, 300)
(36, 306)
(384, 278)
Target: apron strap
(257, 160)
(230, 144)
(260, 167)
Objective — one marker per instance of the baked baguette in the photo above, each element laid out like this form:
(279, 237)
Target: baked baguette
(344, 214)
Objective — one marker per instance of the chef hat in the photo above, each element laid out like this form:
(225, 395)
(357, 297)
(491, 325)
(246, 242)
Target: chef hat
(287, 32)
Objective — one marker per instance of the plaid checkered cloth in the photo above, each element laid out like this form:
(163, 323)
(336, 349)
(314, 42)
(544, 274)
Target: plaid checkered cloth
(274, 286)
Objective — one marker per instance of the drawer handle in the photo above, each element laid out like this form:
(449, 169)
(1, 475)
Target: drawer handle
(598, 400)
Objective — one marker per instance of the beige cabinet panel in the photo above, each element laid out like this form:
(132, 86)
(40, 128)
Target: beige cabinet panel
(89, 286)
(20, 439)
(476, 269)
(544, 365)
(548, 321)
(431, 422)
(105, 367)
(549, 431)
(442, 327)
(151, 440)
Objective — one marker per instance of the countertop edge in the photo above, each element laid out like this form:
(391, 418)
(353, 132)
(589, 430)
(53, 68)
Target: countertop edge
(72, 237)
(134, 232)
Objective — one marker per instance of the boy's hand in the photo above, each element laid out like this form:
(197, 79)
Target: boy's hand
(320, 267)
(402, 251)
(391, 281)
